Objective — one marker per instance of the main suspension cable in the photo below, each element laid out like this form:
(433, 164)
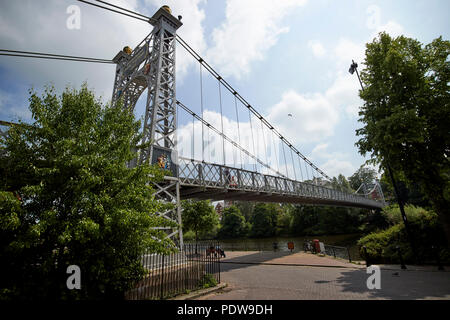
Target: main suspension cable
(245, 103)
(135, 16)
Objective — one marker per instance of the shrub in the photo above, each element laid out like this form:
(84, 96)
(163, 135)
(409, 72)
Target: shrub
(67, 197)
(425, 230)
(207, 281)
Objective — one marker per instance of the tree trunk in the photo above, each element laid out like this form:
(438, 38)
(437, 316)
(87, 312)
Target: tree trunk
(441, 207)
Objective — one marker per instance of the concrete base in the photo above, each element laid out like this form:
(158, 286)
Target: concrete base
(199, 293)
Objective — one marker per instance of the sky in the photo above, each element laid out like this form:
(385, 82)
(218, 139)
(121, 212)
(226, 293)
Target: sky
(284, 57)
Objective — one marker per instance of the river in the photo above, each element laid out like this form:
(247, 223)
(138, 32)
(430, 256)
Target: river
(266, 244)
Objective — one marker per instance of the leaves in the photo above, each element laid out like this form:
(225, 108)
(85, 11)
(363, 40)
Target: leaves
(407, 112)
(79, 202)
(199, 217)
(233, 223)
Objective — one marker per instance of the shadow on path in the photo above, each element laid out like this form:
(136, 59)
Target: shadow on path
(398, 285)
(242, 259)
(252, 258)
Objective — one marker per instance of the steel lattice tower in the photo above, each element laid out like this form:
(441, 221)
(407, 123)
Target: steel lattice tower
(151, 66)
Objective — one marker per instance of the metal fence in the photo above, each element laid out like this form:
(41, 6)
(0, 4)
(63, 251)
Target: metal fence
(259, 246)
(334, 251)
(168, 275)
(338, 252)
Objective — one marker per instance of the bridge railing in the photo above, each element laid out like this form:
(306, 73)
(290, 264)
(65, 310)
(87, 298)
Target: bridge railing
(198, 173)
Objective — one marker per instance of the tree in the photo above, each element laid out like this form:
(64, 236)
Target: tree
(407, 112)
(303, 219)
(341, 183)
(409, 193)
(246, 208)
(284, 219)
(233, 223)
(67, 197)
(362, 175)
(264, 219)
(199, 217)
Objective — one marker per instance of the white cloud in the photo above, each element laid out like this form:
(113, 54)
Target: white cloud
(373, 22)
(343, 93)
(251, 28)
(317, 48)
(313, 116)
(332, 162)
(41, 27)
(346, 51)
(334, 167)
(251, 139)
(374, 14)
(319, 150)
(344, 90)
(393, 28)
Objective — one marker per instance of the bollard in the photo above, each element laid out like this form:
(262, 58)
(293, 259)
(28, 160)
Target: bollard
(349, 257)
(400, 257)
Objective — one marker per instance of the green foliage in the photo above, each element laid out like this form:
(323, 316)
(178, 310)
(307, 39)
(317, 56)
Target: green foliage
(393, 215)
(264, 219)
(207, 281)
(310, 220)
(407, 112)
(426, 232)
(188, 235)
(362, 175)
(199, 217)
(410, 192)
(246, 208)
(233, 223)
(373, 221)
(67, 197)
(341, 183)
(284, 221)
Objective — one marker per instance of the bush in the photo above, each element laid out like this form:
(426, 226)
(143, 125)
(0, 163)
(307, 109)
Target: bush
(233, 224)
(208, 281)
(189, 235)
(425, 230)
(67, 197)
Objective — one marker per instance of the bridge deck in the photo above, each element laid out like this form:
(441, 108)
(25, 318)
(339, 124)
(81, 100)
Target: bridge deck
(201, 180)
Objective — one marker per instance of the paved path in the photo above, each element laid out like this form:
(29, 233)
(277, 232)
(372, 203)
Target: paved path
(286, 258)
(286, 276)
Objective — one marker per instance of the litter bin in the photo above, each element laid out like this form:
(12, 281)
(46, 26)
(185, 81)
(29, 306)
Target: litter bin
(316, 245)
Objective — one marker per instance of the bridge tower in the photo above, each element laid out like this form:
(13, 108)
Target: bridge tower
(151, 66)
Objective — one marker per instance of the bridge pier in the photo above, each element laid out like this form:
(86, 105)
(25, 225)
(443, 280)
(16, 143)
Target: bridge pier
(151, 67)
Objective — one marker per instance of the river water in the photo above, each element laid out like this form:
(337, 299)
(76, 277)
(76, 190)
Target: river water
(266, 244)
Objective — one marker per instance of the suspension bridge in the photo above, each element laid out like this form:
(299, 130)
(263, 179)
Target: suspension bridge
(209, 155)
